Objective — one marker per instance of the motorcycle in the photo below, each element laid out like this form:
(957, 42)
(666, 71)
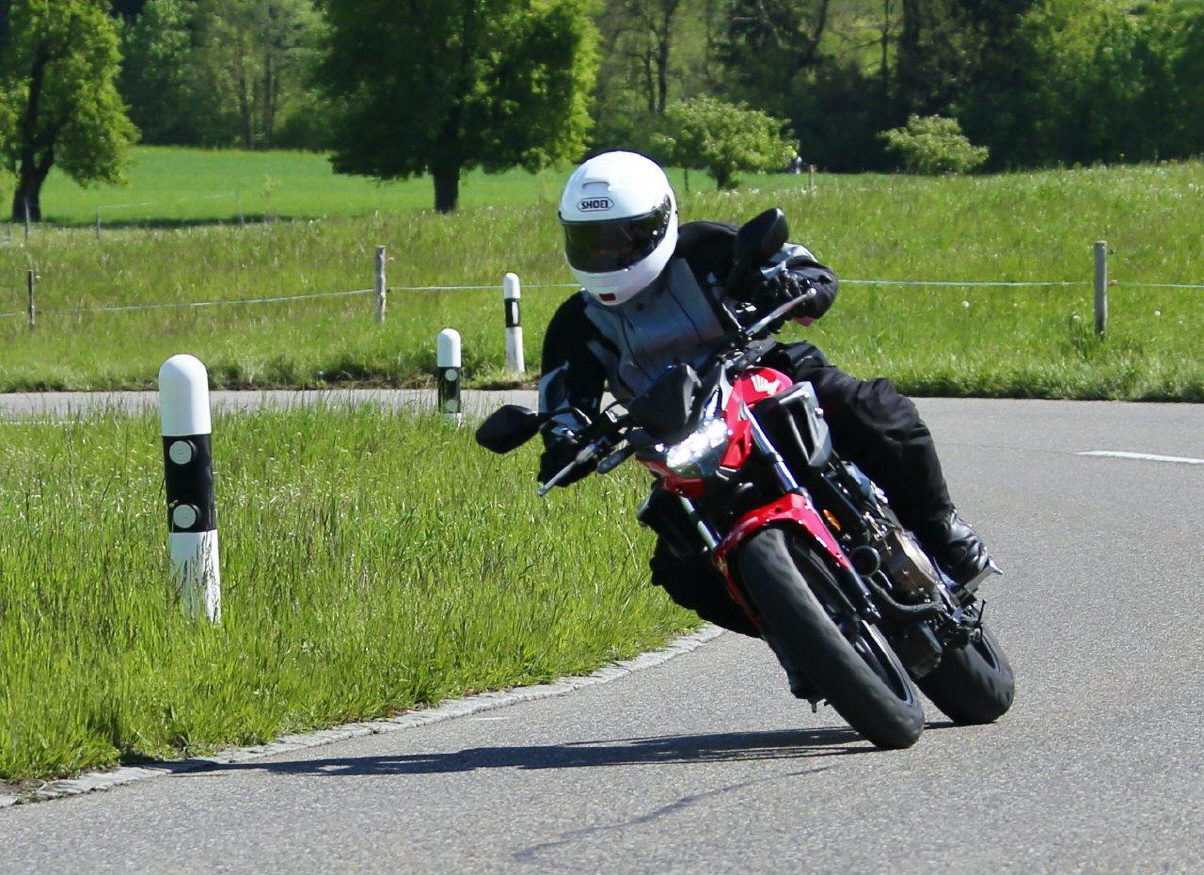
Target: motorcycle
(848, 599)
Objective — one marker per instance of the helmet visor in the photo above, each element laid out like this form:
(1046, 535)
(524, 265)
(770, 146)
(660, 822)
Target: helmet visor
(602, 247)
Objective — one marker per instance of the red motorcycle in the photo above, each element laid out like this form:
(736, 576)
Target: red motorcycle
(810, 549)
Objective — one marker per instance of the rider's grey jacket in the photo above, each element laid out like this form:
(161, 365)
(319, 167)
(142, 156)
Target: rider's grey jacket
(590, 346)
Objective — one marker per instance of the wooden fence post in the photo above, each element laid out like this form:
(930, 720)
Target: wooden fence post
(382, 291)
(26, 220)
(1101, 287)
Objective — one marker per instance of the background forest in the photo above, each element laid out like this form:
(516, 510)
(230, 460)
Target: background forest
(1039, 82)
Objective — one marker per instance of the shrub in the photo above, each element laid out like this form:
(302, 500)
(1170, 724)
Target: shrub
(722, 138)
(932, 145)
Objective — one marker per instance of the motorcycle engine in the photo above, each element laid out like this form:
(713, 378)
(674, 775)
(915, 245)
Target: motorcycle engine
(908, 567)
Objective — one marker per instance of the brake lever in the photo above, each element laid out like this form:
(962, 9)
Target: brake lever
(591, 450)
(778, 312)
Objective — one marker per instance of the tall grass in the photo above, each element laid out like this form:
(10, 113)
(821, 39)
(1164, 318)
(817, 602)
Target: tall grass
(370, 562)
(994, 341)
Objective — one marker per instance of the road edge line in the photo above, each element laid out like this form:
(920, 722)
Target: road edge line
(449, 709)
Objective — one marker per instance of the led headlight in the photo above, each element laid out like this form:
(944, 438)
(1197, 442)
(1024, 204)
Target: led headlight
(700, 453)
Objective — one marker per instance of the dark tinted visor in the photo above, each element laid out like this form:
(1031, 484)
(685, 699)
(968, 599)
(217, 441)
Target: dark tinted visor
(602, 247)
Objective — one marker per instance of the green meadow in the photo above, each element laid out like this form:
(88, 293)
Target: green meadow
(371, 563)
(997, 341)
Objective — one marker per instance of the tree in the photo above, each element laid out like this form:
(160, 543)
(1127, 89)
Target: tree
(58, 97)
(722, 139)
(253, 56)
(444, 87)
(769, 43)
(640, 33)
(1189, 73)
(652, 52)
(933, 145)
(157, 81)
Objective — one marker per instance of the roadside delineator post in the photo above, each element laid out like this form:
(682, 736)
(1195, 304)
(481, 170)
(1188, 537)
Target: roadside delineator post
(511, 292)
(811, 178)
(448, 363)
(1101, 286)
(31, 282)
(382, 290)
(188, 462)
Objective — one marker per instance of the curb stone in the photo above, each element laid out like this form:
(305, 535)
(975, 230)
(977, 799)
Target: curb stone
(452, 708)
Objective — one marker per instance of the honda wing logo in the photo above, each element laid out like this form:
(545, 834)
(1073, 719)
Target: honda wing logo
(764, 386)
(594, 204)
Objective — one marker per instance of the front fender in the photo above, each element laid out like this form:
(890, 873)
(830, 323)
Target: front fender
(792, 509)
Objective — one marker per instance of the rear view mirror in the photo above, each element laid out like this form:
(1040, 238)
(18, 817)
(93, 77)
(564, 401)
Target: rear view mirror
(508, 428)
(664, 409)
(758, 240)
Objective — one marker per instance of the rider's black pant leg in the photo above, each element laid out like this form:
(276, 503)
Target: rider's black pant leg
(879, 430)
(698, 585)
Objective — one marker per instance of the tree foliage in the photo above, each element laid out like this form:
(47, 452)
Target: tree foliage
(722, 139)
(59, 104)
(415, 87)
(220, 72)
(932, 145)
(444, 87)
(768, 43)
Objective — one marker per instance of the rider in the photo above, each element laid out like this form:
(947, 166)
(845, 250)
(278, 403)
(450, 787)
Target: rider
(653, 296)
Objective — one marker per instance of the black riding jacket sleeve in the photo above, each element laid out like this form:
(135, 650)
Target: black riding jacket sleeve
(574, 378)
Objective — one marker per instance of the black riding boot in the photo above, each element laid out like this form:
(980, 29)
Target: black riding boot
(880, 431)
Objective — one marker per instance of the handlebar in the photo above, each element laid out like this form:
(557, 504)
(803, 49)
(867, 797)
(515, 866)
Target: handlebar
(603, 430)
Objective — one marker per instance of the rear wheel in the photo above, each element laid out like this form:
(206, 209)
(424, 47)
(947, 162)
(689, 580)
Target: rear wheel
(846, 658)
(972, 684)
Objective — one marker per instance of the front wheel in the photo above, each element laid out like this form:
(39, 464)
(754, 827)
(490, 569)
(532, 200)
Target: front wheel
(972, 684)
(854, 669)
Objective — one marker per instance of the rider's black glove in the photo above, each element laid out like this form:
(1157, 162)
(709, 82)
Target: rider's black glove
(783, 287)
(560, 446)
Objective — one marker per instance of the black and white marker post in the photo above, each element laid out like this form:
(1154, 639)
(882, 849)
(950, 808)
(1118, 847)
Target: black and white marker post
(511, 292)
(448, 364)
(188, 461)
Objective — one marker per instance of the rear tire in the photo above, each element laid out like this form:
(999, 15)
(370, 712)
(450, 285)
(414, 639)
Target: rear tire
(972, 684)
(859, 675)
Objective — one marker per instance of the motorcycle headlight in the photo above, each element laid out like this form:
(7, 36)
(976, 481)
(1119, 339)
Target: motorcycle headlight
(700, 453)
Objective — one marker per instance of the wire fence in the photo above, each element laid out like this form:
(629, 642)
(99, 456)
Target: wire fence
(189, 305)
(1099, 284)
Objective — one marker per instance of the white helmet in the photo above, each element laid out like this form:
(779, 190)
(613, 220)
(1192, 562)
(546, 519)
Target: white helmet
(620, 224)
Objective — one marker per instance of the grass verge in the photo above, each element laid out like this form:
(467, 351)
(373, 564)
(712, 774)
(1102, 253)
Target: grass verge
(371, 562)
(1025, 342)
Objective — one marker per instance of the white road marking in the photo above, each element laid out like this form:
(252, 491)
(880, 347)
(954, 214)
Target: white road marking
(1148, 457)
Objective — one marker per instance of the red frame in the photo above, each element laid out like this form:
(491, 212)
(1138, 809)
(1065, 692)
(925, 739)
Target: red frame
(794, 510)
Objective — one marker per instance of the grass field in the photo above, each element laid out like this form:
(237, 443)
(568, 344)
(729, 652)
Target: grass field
(931, 339)
(370, 562)
(173, 186)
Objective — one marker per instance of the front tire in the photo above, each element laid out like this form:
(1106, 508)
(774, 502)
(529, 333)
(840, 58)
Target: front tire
(857, 672)
(972, 684)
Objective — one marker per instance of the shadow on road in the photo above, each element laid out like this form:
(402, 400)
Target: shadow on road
(722, 747)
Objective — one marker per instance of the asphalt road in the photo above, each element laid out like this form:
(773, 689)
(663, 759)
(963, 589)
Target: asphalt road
(706, 764)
